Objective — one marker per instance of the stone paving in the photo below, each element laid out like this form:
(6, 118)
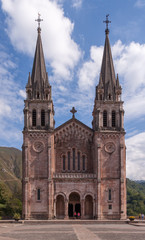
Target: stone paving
(71, 232)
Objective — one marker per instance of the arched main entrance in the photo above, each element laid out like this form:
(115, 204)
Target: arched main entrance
(60, 207)
(74, 204)
(89, 207)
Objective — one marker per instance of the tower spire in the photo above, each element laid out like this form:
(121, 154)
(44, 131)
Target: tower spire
(39, 76)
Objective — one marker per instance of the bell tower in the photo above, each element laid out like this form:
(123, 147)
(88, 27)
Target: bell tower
(109, 140)
(38, 139)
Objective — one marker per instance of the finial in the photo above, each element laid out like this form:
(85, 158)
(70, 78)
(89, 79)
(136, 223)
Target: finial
(107, 22)
(73, 111)
(39, 20)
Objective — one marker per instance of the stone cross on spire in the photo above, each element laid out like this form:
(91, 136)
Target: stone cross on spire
(107, 22)
(39, 20)
(73, 111)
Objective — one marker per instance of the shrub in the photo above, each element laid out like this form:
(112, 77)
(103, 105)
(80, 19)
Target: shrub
(16, 216)
(131, 218)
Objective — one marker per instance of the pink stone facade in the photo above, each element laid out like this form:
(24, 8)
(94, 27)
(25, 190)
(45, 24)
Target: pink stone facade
(73, 170)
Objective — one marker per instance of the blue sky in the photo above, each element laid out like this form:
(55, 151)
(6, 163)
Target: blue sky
(73, 35)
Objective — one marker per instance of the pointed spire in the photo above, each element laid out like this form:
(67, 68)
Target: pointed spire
(117, 82)
(39, 77)
(29, 84)
(107, 68)
(100, 82)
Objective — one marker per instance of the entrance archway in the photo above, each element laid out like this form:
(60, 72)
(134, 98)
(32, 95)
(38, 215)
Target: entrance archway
(60, 207)
(74, 205)
(89, 207)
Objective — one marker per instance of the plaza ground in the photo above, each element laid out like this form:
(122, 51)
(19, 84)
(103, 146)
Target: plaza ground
(72, 231)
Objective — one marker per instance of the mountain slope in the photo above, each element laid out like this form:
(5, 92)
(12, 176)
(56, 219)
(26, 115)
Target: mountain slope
(11, 168)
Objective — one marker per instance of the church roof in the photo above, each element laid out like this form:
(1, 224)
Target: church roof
(76, 121)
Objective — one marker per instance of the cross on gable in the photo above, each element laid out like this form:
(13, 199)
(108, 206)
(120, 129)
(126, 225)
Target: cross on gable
(107, 23)
(73, 111)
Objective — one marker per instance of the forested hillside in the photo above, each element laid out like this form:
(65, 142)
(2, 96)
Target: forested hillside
(11, 187)
(10, 181)
(135, 197)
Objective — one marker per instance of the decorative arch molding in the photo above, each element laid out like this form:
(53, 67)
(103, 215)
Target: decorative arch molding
(60, 194)
(89, 194)
(74, 191)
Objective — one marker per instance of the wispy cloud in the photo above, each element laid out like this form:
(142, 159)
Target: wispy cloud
(11, 104)
(136, 157)
(61, 51)
(77, 3)
(140, 3)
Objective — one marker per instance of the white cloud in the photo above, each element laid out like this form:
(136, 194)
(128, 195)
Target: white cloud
(60, 49)
(140, 3)
(77, 3)
(129, 62)
(90, 70)
(22, 93)
(11, 104)
(136, 157)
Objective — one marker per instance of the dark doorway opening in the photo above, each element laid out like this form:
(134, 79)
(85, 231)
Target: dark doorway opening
(70, 210)
(78, 208)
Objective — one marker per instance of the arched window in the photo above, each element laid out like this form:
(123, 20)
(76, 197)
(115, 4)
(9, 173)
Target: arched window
(68, 155)
(105, 118)
(84, 160)
(63, 162)
(113, 118)
(74, 159)
(109, 195)
(34, 118)
(78, 161)
(100, 96)
(42, 118)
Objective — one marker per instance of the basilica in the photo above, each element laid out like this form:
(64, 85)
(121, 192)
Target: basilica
(74, 169)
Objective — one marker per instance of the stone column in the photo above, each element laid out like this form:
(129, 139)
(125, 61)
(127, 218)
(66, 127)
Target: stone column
(100, 119)
(66, 209)
(54, 207)
(122, 183)
(110, 118)
(94, 208)
(82, 208)
(25, 182)
(99, 183)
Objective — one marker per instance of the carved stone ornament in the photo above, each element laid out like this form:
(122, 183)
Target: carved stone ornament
(110, 147)
(38, 146)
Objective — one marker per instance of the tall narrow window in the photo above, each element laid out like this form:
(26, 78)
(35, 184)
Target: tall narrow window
(113, 118)
(73, 159)
(105, 118)
(78, 161)
(68, 161)
(63, 162)
(42, 118)
(34, 118)
(109, 195)
(37, 95)
(38, 194)
(48, 118)
(84, 159)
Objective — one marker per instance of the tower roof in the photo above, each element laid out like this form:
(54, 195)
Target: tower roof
(39, 75)
(107, 69)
